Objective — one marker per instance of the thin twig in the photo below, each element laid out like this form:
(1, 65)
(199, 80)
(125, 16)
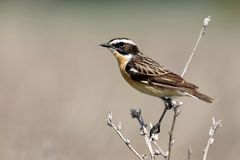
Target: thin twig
(189, 153)
(171, 139)
(118, 131)
(161, 152)
(148, 143)
(203, 31)
(212, 131)
(176, 109)
(144, 132)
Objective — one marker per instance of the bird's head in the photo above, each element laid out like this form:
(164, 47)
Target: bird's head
(121, 47)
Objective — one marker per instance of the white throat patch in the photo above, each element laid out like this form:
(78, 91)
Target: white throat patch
(123, 40)
(129, 56)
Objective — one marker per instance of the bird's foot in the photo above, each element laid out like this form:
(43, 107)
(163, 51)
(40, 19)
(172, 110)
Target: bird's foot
(169, 102)
(155, 130)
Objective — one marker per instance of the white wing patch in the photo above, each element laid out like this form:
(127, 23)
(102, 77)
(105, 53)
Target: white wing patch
(133, 70)
(123, 40)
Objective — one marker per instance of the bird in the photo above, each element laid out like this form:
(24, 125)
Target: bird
(148, 76)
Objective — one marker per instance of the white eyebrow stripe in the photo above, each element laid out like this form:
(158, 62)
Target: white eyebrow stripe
(123, 40)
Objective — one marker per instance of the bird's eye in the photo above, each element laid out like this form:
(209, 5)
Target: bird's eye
(121, 44)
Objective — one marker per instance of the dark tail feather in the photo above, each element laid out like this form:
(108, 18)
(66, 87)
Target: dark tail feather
(202, 97)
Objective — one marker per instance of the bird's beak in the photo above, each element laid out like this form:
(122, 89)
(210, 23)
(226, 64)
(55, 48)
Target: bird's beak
(106, 45)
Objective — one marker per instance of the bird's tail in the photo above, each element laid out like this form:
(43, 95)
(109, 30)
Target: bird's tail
(201, 96)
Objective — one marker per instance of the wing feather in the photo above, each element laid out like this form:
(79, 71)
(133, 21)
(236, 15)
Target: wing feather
(148, 70)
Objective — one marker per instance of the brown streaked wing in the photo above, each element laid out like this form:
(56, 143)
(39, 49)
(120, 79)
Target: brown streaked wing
(173, 80)
(150, 71)
(148, 66)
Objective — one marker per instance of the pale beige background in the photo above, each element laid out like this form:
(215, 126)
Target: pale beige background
(57, 85)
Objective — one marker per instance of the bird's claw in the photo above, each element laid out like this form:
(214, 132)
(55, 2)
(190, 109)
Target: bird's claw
(154, 130)
(168, 102)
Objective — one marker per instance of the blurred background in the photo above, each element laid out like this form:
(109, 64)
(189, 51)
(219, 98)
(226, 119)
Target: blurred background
(57, 85)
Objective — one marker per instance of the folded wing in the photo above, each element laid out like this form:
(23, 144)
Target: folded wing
(147, 70)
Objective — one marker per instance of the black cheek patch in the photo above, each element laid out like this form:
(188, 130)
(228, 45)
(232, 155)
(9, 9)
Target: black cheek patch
(122, 52)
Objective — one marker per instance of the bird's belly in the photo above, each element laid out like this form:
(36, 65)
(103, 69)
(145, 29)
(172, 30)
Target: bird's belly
(154, 91)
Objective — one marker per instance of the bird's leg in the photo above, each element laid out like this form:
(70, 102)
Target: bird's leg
(168, 105)
(168, 102)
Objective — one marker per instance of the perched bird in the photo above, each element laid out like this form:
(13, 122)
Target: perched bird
(149, 77)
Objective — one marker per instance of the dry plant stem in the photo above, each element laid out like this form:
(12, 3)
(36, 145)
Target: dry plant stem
(203, 31)
(171, 140)
(212, 131)
(125, 140)
(189, 153)
(161, 152)
(144, 132)
(176, 109)
(149, 146)
(137, 114)
(127, 143)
